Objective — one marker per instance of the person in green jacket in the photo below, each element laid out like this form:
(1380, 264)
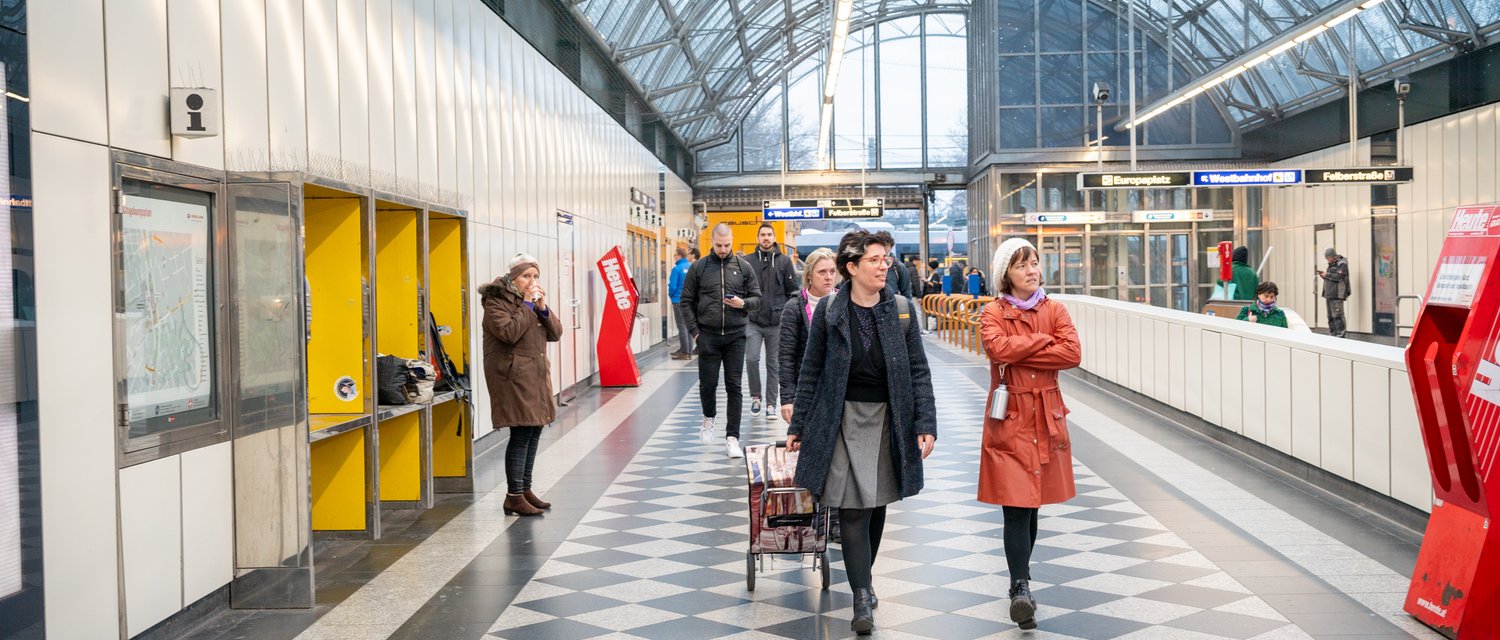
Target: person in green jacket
(1264, 311)
(1245, 281)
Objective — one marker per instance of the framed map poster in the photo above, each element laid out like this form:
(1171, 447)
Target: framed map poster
(165, 316)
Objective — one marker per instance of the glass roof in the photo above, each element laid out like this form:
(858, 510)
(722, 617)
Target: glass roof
(703, 63)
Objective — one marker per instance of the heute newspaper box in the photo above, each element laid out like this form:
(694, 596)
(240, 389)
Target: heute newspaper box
(617, 366)
(1455, 377)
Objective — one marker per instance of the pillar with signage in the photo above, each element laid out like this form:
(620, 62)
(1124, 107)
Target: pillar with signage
(617, 367)
(1454, 364)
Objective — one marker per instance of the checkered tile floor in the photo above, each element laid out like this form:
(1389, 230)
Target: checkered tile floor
(662, 555)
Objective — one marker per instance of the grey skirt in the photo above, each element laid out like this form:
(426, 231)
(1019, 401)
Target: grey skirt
(864, 435)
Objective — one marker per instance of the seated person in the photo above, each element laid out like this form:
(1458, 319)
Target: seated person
(1264, 310)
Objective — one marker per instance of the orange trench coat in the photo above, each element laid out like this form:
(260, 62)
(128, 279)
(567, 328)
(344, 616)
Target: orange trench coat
(1026, 460)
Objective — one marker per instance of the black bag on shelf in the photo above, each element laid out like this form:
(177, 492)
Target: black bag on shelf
(393, 379)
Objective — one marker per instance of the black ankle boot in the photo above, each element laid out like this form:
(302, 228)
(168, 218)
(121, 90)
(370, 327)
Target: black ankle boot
(864, 614)
(1022, 605)
(874, 601)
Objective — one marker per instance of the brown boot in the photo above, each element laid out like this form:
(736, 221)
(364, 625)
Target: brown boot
(515, 503)
(535, 501)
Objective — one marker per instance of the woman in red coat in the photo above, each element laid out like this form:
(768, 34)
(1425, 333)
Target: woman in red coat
(1026, 460)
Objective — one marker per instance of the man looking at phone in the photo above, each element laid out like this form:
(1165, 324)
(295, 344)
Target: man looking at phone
(718, 295)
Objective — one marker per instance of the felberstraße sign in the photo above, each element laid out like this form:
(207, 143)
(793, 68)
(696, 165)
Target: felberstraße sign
(1359, 175)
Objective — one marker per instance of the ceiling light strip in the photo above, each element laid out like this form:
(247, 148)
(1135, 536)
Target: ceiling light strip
(838, 41)
(1323, 21)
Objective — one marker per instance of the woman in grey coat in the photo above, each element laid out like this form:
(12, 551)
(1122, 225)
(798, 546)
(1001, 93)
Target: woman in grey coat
(864, 417)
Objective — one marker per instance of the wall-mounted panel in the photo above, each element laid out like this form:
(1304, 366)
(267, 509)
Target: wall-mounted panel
(1336, 409)
(404, 88)
(426, 75)
(1372, 428)
(194, 43)
(1411, 477)
(247, 124)
(321, 38)
(354, 92)
(286, 78)
(446, 131)
(1278, 401)
(1213, 375)
(1253, 389)
(136, 62)
(151, 541)
(1192, 340)
(463, 98)
(380, 34)
(1232, 393)
(67, 72)
(1163, 361)
(207, 521)
(1307, 442)
(1146, 335)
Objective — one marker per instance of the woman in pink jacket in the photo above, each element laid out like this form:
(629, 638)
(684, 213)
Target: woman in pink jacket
(1026, 459)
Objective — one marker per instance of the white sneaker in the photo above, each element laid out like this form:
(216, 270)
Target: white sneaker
(706, 432)
(772, 415)
(732, 447)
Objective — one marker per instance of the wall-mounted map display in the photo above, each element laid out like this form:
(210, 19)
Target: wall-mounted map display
(166, 240)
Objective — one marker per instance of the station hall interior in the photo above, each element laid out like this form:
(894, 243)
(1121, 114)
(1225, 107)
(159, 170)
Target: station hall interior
(531, 319)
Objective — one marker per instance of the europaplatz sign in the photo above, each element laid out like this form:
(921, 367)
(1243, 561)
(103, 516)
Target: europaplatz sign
(617, 366)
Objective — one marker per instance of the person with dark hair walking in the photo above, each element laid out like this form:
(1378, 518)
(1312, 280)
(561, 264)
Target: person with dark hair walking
(1025, 455)
(1335, 290)
(517, 327)
(674, 291)
(718, 294)
(778, 284)
(864, 418)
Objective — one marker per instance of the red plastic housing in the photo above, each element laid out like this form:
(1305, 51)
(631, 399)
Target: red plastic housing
(617, 366)
(1455, 377)
(1226, 262)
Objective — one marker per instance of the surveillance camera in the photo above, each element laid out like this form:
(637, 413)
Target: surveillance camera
(1101, 92)
(1402, 85)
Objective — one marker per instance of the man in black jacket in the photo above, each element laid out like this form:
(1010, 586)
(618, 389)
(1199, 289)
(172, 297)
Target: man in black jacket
(778, 283)
(718, 294)
(958, 284)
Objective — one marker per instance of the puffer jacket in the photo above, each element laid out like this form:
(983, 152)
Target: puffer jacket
(703, 290)
(778, 283)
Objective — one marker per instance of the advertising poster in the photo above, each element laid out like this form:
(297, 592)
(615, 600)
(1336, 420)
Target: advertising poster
(1383, 252)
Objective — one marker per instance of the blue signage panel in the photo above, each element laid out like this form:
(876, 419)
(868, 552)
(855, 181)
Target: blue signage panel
(792, 213)
(1247, 178)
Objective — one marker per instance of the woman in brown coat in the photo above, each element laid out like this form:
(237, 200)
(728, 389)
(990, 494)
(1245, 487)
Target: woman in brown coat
(517, 327)
(1026, 459)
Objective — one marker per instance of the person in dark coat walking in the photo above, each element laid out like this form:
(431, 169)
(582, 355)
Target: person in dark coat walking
(517, 327)
(718, 295)
(864, 418)
(778, 284)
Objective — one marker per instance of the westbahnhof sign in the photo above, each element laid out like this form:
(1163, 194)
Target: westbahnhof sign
(1267, 177)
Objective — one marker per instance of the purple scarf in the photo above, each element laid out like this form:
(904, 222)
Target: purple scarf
(1030, 303)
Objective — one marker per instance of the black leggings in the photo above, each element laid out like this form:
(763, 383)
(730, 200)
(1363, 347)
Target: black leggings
(860, 530)
(1020, 539)
(520, 457)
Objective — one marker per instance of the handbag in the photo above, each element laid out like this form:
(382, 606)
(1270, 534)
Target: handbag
(1000, 398)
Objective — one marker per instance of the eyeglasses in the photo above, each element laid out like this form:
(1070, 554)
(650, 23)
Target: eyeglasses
(884, 261)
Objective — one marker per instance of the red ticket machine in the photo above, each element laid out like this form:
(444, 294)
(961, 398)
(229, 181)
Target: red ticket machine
(617, 366)
(1226, 262)
(1452, 360)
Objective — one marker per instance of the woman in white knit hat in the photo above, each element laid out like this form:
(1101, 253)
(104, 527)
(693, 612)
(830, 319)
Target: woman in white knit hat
(1025, 460)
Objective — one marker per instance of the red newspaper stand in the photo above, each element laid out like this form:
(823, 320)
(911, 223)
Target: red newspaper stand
(617, 366)
(1452, 361)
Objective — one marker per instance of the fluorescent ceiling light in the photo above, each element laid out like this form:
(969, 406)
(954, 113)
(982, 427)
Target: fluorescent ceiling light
(1337, 13)
(838, 40)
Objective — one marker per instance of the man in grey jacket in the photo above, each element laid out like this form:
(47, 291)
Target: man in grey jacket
(718, 294)
(778, 283)
(1335, 290)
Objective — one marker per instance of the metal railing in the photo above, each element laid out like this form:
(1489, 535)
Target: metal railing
(957, 318)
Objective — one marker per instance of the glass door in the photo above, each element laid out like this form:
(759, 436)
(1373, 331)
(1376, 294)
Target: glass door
(1117, 266)
(1170, 285)
(1062, 263)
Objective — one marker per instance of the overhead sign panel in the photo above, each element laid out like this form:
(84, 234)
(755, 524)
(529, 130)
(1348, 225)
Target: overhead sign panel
(832, 208)
(1065, 217)
(1173, 215)
(1247, 177)
(1135, 179)
(1360, 175)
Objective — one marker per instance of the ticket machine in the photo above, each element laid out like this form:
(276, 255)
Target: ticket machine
(1455, 376)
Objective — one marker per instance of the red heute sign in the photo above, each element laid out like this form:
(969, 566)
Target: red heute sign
(617, 366)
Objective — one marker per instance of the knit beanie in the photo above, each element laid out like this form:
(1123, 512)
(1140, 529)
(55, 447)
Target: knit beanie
(1001, 263)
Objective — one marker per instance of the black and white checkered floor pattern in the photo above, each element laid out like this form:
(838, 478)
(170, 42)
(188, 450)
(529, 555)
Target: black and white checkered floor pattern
(662, 555)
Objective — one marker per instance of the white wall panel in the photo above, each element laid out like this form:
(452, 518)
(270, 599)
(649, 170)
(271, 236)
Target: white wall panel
(1306, 414)
(1163, 359)
(1371, 427)
(193, 46)
(207, 521)
(463, 121)
(1145, 338)
(1336, 409)
(404, 85)
(1176, 354)
(321, 35)
(1192, 340)
(65, 44)
(446, 144)
(380, 34)
(71, 182)
(1213, 376)
(1278, 401)
(1411, 474)
(136, 62)
(151, 541)
(354, 92)
(247, 118)
(1133, 365)
(1253, 390)
(1232, 394)
(426, 64)
(286, 74)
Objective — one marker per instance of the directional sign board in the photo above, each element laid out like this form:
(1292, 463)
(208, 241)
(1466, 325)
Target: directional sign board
(1247, 177)
(1359, 175)
(832, 208)
(1065, 217)
(1173, 215)
(1135, 180)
